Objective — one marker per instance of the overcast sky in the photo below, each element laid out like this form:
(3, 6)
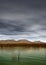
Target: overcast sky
(23, 19)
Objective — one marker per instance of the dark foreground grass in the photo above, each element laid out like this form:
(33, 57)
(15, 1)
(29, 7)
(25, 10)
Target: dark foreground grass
(23, 61)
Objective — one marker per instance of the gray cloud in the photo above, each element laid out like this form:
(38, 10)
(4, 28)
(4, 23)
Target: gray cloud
(23, 17)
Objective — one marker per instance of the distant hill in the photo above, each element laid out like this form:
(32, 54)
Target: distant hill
(22, 42)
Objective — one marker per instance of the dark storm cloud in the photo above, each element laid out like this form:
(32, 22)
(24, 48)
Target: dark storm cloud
(24, 3)
(16, 27)
(18, 17)
(4, 25)
(13, 26)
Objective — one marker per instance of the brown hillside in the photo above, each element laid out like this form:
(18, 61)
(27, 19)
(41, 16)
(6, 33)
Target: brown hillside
(23, 42)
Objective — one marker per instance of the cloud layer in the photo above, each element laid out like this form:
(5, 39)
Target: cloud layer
(23, 19)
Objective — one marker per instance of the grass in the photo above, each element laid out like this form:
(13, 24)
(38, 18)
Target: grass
(24, 58)
(23, 61)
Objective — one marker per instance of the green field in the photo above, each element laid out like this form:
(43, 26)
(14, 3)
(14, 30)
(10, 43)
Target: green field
(23, 56)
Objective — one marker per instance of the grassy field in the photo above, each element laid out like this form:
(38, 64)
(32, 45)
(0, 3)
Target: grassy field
(29, 56)
(24, 61)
